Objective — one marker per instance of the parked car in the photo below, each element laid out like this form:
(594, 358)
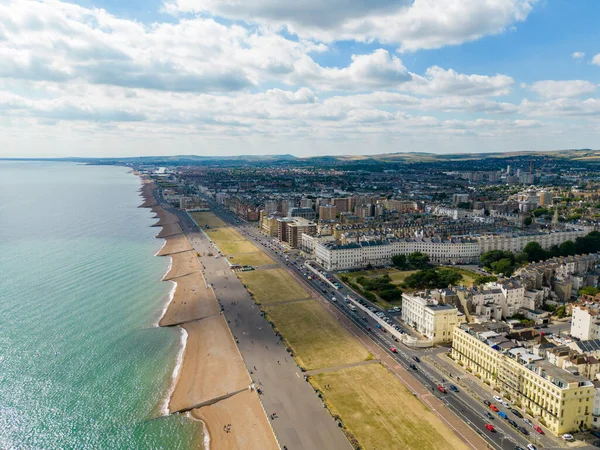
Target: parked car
(441, 388)
(393, 350)
(416, 358)
(538, 429)
(489, 415)
(498, 399)
(494, 408)
(512, 423)
(531, 447)
(502, 415)
(413, 367)
(505, 404)
(523, 430)
(517, 413)
(567, 437)
(453, 388)
(487, 402)
(528, 422)
(489, 427)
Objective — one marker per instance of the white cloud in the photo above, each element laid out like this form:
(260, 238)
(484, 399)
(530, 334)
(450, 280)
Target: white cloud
(596, 59)
(578, 55)
(562, 107)
(438, 81)
(566, 88)
(420, 24)
(375, 70)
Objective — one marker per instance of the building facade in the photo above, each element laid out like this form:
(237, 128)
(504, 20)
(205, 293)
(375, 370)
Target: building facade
(433, 320)
(560, 399)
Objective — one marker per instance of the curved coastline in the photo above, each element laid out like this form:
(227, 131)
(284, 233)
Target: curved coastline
(210, 383)
(165, 218)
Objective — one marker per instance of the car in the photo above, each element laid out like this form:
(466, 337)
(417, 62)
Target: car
(489, 427)
(516, 413)
(441, 388)
(453, 388)
(505, 404)
(567, 437)
(596, 443)
(518, 447)
(489, 415)
(368, 328)
(538, 429)
(531, 447)
(528, 422)
(523, 430)
(333, 299)
(498, 399)
(494, 408)
(413, 367)
(487, 402)
(502, 415)
(416, 358)
(393, 350)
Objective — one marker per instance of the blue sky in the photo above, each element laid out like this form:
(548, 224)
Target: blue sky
(131, 77)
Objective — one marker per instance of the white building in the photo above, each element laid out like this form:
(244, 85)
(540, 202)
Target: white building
(455, 251)
(585, 323)
(433, 320)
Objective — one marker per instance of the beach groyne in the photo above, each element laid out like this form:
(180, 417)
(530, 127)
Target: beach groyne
(211, 382)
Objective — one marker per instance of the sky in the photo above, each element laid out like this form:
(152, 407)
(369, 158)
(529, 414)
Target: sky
(94, 78)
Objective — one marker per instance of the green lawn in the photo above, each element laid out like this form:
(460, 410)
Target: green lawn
(207, 218)
(381, 413)
(251, 259)
(272, 286)
(397, 276)
(316, 337)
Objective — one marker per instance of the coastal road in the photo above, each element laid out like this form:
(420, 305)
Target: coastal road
(301, 420)
(464, 405)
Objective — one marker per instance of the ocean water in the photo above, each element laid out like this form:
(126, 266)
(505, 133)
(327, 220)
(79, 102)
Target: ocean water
(82, 364)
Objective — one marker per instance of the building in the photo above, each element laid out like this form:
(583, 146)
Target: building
(435, 321)
(517, 242)
(297, 228)
(345, 204)
(327, 212)
(271, 206)
(460, 198)
(585, 324)
(269, 225)
(305, 213)
(560, 399)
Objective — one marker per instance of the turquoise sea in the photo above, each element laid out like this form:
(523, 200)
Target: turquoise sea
(82, 364)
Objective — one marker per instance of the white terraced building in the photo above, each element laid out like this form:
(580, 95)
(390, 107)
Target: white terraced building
(433, 320)
(333, 256)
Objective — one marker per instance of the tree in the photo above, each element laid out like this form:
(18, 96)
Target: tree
(464, 205)
(589, 290)
(527, 221)
(567, 248)
(504, 266)
(400, 261)
(541, 212)
(495, 255)
(535, 252)
(418, 260)
(561, 312)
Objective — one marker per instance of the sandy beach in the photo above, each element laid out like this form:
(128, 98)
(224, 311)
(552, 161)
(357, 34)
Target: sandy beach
(250, 429)
(175, 244)
(191, 301)
(212, 366)
(169, 230)
(183, 264)
(212, 370)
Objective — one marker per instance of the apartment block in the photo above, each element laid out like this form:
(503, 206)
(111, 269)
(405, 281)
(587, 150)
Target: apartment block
(435, 321)
(561, 399)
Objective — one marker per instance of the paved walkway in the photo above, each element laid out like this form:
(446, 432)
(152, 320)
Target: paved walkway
(302, 422)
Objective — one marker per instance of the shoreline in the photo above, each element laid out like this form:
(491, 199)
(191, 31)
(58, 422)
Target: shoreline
(210, 383)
